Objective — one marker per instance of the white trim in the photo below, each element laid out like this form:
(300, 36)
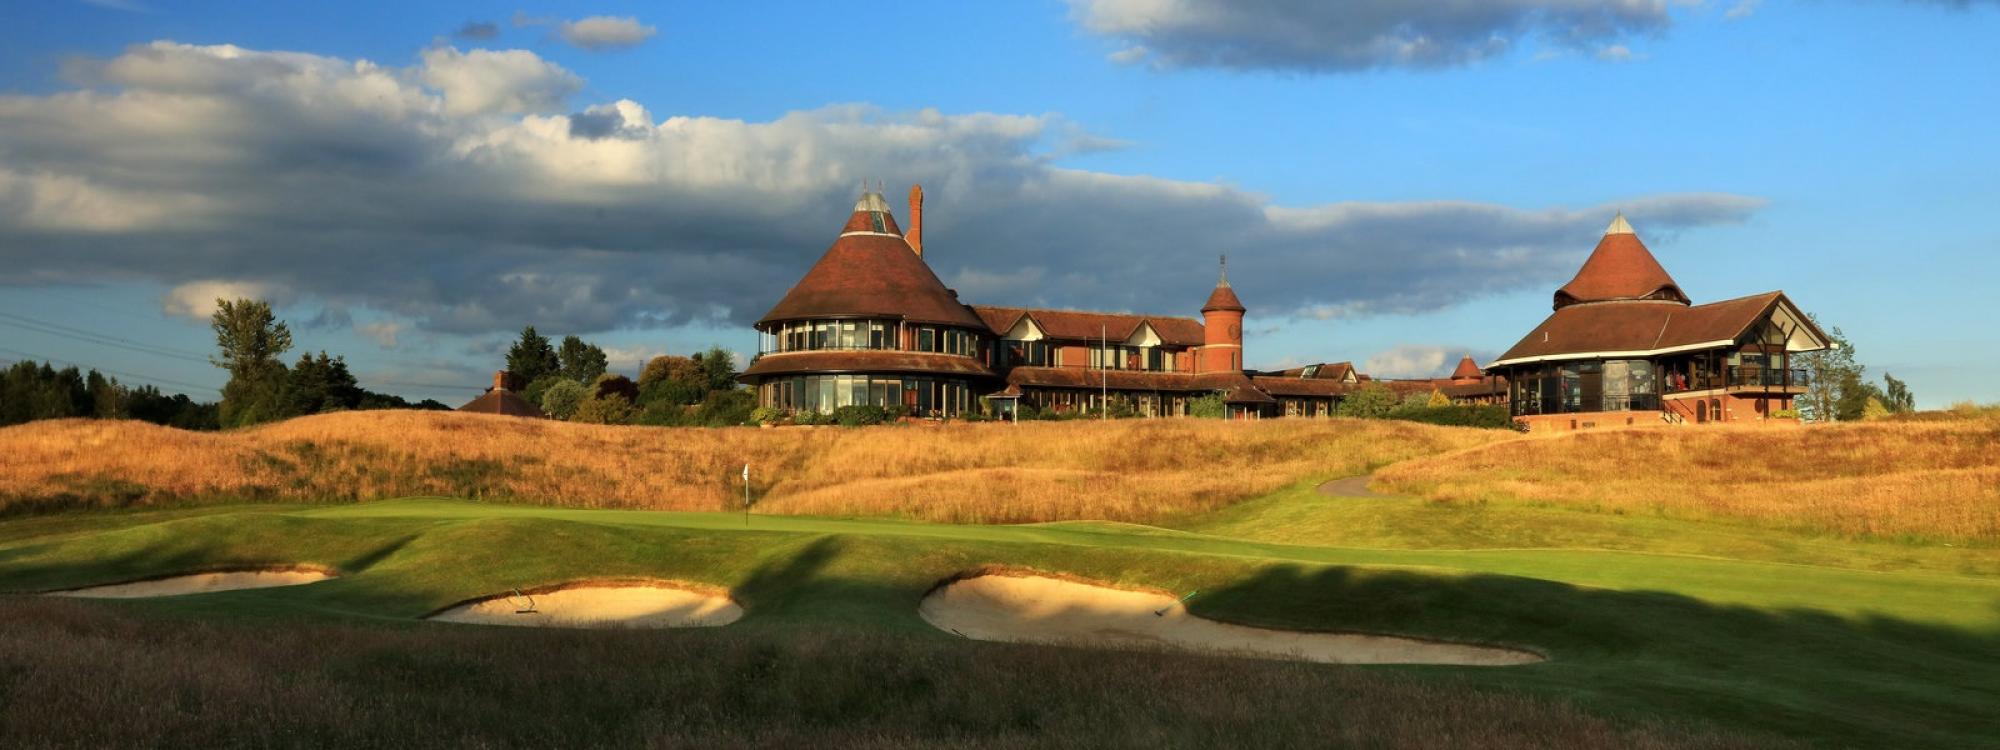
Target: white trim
(1221, 346)
(1614, 355)
(858, 233)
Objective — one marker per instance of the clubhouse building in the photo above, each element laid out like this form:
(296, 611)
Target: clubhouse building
(871, 324)
(1626, 346)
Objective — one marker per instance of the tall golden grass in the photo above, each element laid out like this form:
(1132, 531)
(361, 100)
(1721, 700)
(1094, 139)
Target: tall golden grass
(1132, 470)
(1921, 479)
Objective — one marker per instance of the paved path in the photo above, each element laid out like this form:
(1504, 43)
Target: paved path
(1352, 487)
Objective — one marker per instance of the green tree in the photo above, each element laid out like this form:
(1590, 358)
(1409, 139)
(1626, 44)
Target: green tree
(251, 339)
(1853, 395)
(532, 357)
(1828, 371)
(561, 400)
(604, 409)
(719, 367)
(674, 380)
(580, 360)
(322, 384)
(1897, 396)
(107, 399)
(1370, 401)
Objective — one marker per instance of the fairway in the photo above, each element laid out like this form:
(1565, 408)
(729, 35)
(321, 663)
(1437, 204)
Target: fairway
(1769, 647)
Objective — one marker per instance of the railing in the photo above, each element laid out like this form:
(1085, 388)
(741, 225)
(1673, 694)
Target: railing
(1634, 402)
(1754, 376)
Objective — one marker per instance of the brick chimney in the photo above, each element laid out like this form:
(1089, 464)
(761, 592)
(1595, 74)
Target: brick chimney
(500, 380)
(916, 233)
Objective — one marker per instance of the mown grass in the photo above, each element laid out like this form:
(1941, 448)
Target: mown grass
(1917, 480)
(1131, 470)
(1751, 649)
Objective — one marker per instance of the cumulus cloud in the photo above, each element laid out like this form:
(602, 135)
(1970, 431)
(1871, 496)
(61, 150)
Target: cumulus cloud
(196, 299)
(413, 195)
(1318, 36)
(489, 81)
(1415, 361)
(596, 33)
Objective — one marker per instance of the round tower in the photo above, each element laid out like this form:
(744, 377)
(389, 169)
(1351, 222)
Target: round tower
(1222, 324)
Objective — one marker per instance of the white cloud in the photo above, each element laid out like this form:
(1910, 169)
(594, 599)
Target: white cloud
(1615, 53)
(375, 188)
(1319, 36)
(196, 299)
(497, 81)
(1412, 361)
(605, 32)
(382, 332)
(1742, 9)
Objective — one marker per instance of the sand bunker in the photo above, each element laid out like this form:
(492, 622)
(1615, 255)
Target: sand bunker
(636, 604)
(201, 583)
(1033, 609)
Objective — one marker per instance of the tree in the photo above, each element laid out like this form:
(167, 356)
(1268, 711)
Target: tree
(1370, 401)
(322, 384)
(604, 409)
(560, 400)
(532, 357)
(1852, 396)
(619, 386)
(674, 380)
(1438, 399)
(719, 367)
(1896, 395)
(1827, 372)
(581, 361)
(1874, 409)
(251, 339)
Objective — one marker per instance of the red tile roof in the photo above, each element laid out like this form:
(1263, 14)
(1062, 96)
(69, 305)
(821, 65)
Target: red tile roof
(1223, 298)
(502, 401)
(865, 360)
(1639, 327)
(1466, 369)
(871, 273)
(1076, 325)
(1621, 268)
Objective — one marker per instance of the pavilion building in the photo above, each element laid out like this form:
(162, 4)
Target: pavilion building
(1625, 345)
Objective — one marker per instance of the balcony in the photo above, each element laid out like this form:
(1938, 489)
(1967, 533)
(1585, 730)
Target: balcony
(1755, 378)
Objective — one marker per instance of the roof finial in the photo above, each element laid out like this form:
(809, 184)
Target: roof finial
(1223, 280)
(1619, 225)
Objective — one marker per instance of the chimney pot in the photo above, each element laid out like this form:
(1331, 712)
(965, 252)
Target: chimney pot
(500, 380)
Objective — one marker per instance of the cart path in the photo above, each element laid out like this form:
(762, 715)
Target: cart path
(1355, 487)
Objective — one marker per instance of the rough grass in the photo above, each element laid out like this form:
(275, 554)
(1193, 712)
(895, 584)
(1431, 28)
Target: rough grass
(1132, 470)
(82, 675)
(1920, 480)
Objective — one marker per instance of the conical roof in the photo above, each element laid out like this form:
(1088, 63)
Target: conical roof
(1223, 298)
(872, 272)
(1467, 369)
(1621, 268)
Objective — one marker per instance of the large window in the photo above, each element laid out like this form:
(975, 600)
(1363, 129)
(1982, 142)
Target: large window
(1611, 385)
(922, 396)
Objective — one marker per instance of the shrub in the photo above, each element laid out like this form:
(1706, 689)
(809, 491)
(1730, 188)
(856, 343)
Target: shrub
(561, 399)
(1491, 417)
(1210, 406)
(608, 385)
(604, 410)
(856, 416)
(725, 408)
(810, 418)
(1785, 414)
(767, 415)
(1371, 401)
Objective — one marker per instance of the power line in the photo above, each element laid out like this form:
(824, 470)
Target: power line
(91, 337)
(146, 379)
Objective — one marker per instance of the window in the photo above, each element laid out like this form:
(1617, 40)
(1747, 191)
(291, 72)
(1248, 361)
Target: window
(926, 339)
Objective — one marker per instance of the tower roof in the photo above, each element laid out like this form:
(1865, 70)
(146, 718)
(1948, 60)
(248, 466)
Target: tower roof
(1223, 298)
(1620, 269)
(1467, 369)
(871, 271)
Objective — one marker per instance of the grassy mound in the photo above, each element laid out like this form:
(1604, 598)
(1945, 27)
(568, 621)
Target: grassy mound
(1134, 470)
(1931, 480)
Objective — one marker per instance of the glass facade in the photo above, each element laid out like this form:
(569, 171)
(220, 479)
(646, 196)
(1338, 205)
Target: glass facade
(923, 396)
(1570, 387)
(822, 335)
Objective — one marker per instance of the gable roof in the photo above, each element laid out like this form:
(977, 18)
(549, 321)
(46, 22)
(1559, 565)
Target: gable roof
(1647, 329)
(1620, 268)
(871, 272)
(1076, 325)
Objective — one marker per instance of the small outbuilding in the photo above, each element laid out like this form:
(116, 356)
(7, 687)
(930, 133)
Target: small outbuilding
(501, 400)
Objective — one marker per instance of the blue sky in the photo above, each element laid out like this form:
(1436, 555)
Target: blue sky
(1385, 198)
